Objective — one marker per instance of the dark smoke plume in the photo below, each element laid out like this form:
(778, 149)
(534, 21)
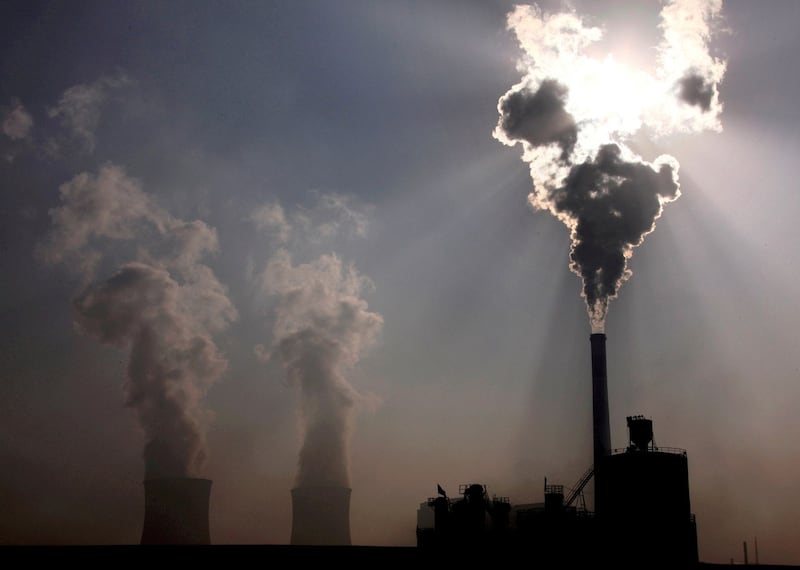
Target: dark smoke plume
(538, 117)
(694, 90)
(573, 114)
(614, 204)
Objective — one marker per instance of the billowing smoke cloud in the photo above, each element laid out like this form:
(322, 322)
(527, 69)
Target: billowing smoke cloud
(163, 306)
(322, 328)
(332, 216)
(573, 114)
(172, 361)
(17, 122)
(98, 209)
(613, 203)
(696, 91)
(271, 218)
(79, 107)
(539, 117)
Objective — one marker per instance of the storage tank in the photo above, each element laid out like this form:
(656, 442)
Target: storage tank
(647, 512)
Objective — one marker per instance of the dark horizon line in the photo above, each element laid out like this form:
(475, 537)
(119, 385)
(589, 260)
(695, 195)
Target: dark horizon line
(395, 554)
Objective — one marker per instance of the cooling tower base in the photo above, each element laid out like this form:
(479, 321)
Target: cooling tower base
(176, 511)
(321, 516)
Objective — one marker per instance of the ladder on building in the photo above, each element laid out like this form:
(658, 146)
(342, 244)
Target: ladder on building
(578, 488)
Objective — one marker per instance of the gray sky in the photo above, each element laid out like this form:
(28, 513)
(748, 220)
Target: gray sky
(481, 369)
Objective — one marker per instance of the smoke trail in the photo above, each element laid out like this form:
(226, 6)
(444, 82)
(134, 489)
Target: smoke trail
(322, 328)
(573, 114)
(16, 123)
(80, 107)
(164, 307)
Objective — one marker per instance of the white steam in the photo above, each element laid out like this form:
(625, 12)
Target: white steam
(321, 330)
(163, 305)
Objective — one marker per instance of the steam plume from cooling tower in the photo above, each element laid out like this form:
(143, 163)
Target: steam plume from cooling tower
(573, 114)
(321, 330)
(163, 305)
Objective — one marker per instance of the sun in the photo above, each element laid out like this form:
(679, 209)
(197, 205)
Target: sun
(608, 99)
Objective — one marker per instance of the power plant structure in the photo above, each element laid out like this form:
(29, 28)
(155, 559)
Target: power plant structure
(321, 516)
(642, 511)
(176, 511)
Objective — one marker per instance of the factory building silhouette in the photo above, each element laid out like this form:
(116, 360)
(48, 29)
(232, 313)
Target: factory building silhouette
(642, 510)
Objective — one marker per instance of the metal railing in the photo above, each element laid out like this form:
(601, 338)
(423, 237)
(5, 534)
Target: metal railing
(578, 488)
(675, 450)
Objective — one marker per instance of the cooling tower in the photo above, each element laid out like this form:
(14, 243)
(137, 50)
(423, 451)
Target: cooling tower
(600, 422)
(321, 516)
(176, 511)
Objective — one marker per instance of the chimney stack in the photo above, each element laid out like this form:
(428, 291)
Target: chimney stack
(176, 511)
(321, 516)
(600, 422)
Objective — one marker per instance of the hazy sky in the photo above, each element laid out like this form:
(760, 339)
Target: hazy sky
(352, 142)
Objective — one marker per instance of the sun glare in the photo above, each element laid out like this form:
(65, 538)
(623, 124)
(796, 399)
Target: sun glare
(607, 99)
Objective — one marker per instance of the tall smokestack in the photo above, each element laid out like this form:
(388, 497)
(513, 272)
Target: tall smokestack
(321, 516)
(600, 423)
(176, 511)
